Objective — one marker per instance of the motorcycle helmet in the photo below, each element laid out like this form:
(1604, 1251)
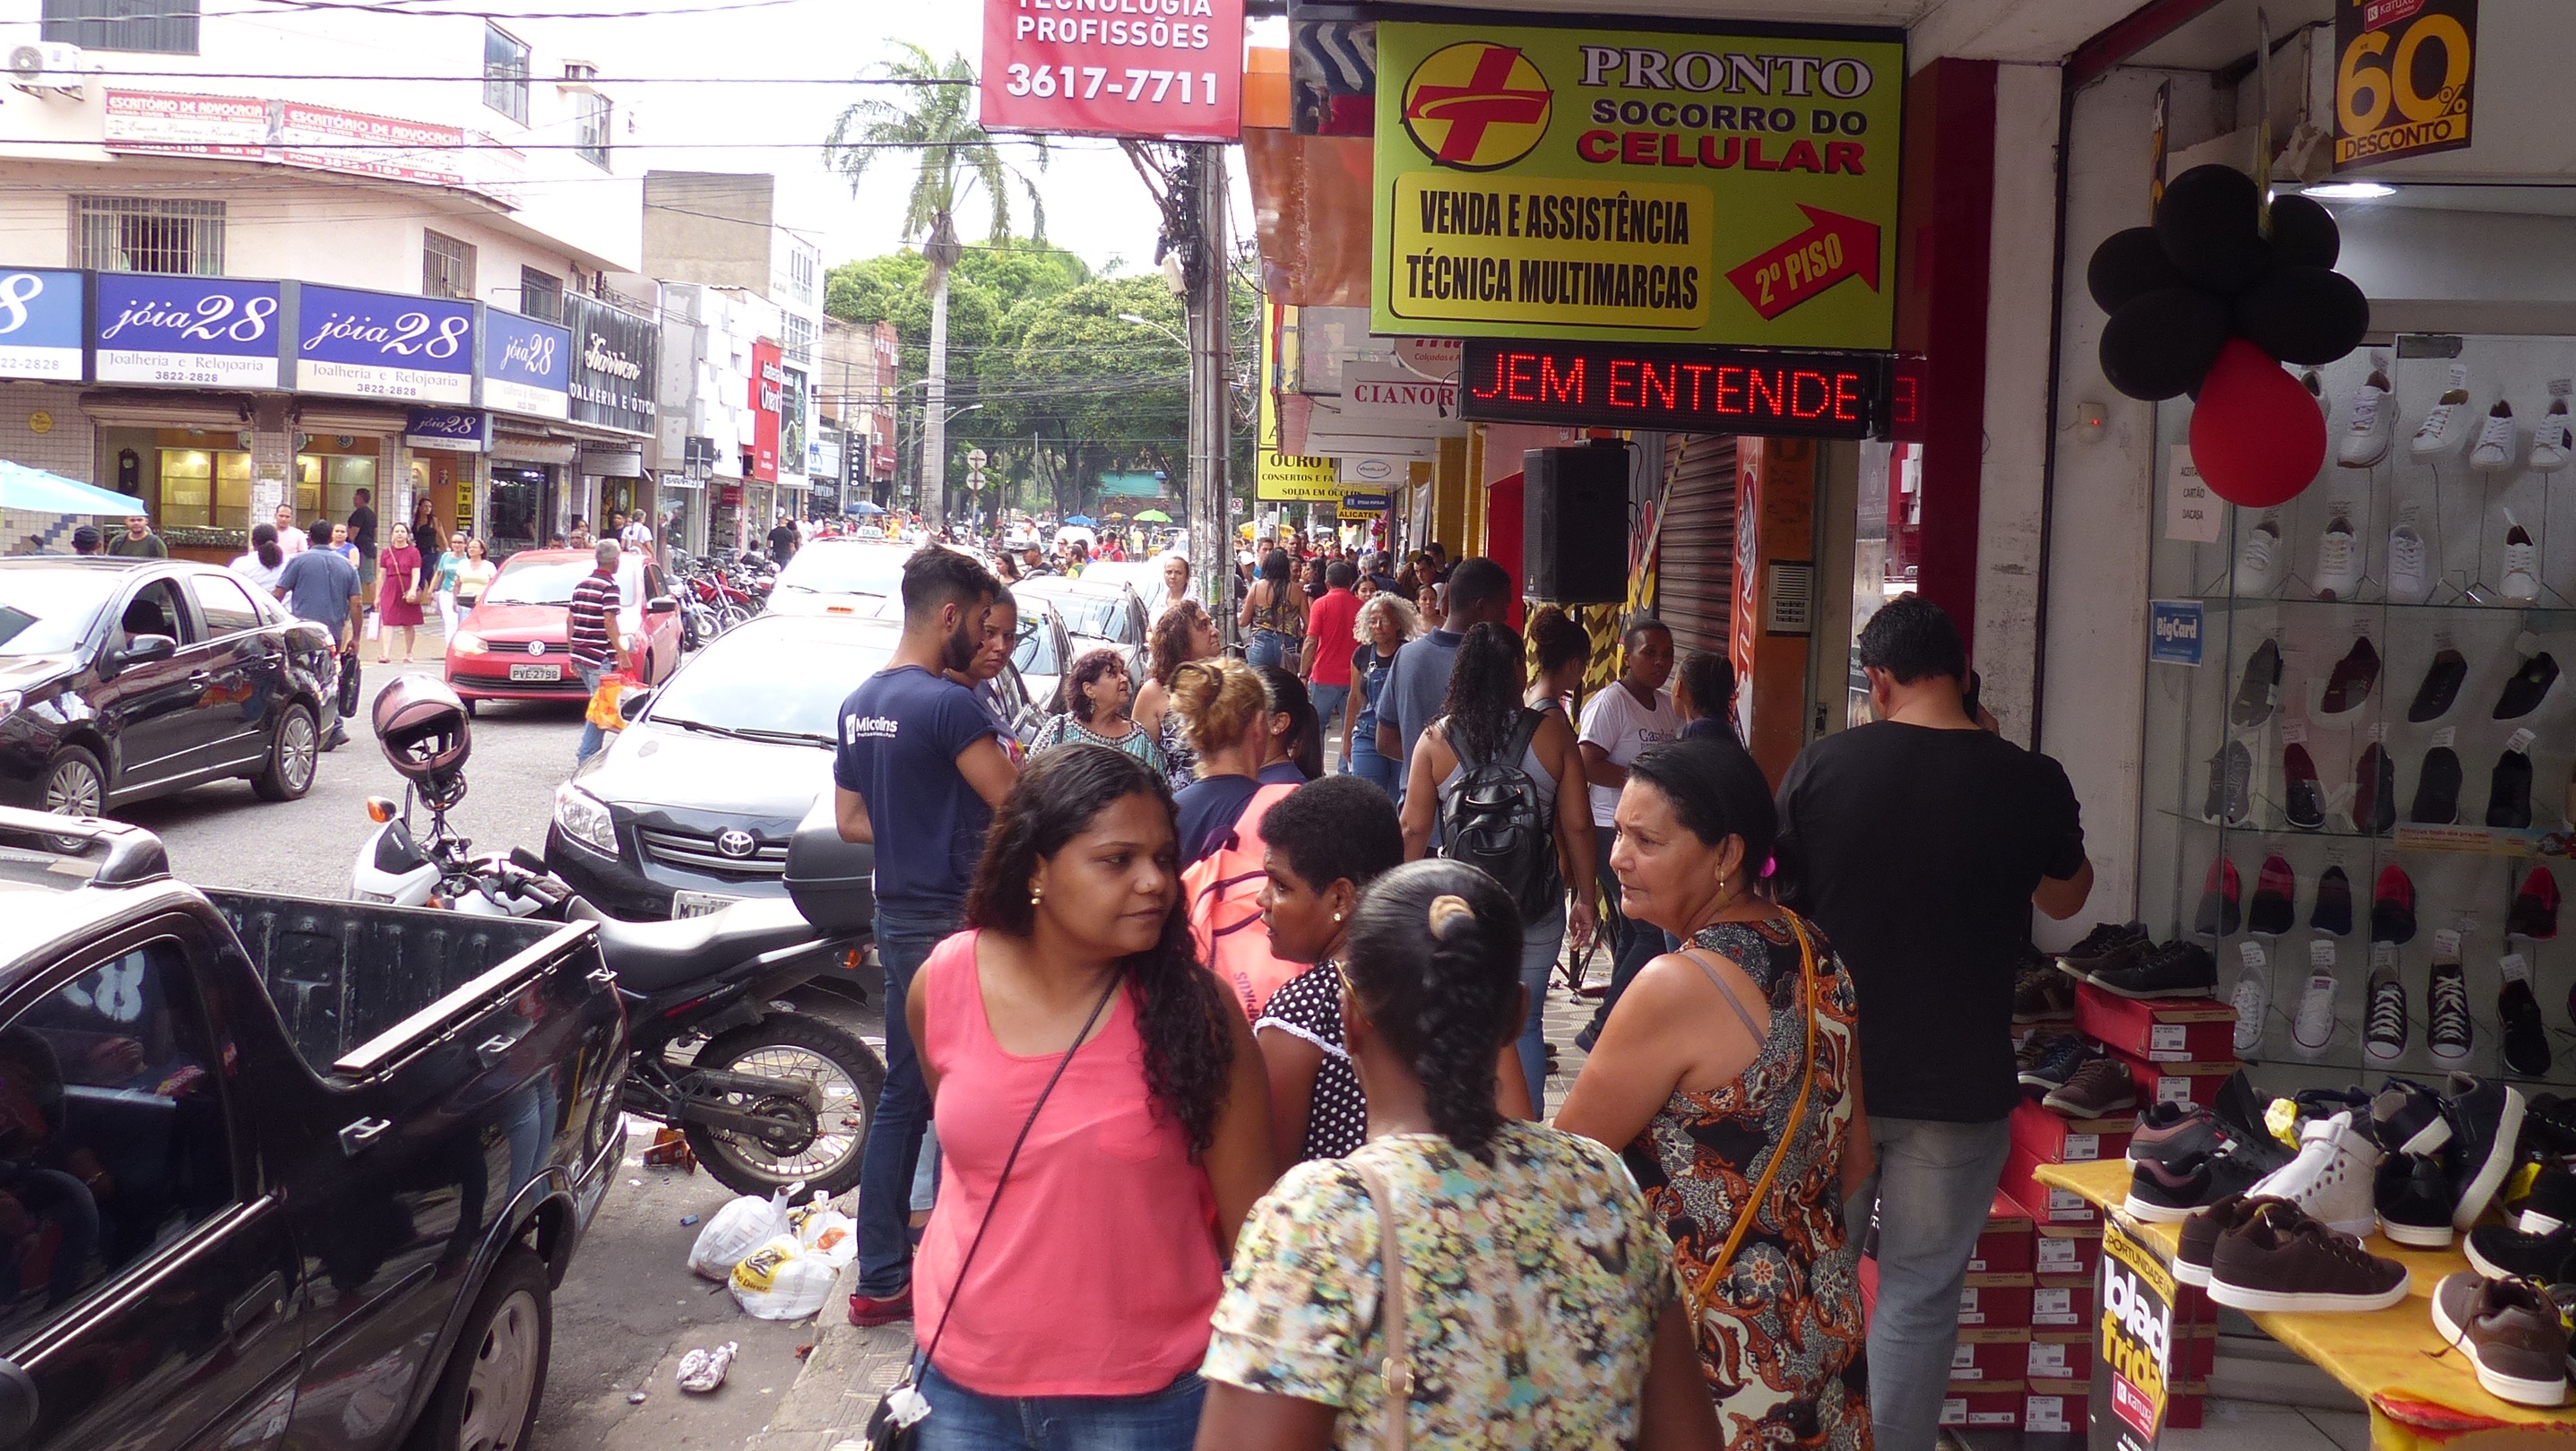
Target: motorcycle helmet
(423, 730)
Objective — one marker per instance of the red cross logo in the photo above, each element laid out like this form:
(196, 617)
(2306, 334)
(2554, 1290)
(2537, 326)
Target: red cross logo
(1486, 119)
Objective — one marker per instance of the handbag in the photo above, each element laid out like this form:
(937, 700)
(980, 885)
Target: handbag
(1695, 1298)
(1392, 1306)
(895, 1425)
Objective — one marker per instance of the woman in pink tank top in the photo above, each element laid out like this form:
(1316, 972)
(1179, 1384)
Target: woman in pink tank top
(1083, 1315)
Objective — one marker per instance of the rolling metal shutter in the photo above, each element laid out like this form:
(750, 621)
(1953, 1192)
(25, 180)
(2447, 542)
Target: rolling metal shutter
(1695, 589)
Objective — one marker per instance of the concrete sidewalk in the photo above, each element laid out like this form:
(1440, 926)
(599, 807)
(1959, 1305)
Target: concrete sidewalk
(850, 1368)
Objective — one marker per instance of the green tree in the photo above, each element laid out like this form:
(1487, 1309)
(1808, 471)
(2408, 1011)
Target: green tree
(934, 122)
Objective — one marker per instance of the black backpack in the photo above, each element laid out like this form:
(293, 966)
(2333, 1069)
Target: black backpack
(1493, 820)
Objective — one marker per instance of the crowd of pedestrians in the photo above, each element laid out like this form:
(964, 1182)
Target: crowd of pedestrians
(1332, 1203)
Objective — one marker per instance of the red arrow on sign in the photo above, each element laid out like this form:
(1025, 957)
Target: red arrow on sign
(1834, 248)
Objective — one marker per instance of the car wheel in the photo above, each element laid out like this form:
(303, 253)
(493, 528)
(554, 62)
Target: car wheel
(292, 757)
(75, 783)
(496, 1374)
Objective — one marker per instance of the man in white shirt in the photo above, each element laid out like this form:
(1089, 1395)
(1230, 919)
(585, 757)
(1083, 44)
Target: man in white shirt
(637, 536)
(1618, 724)
(290, 538)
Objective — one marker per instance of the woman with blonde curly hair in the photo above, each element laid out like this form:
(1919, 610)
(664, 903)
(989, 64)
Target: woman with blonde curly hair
(1226, 716)
(1181, 634)
(1385, 622)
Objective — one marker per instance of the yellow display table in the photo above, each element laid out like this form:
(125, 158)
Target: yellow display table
(2420, 1393)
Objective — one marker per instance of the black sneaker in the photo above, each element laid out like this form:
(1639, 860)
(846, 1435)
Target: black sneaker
(2551, 1204)
(2442, 681)
(2166, 1191)
(2437, 790)
(2109, 944)
(2528, 687)
(2303, 803)
(2260, 687)
(2526, 1039)
(2333, 911)
(2056, 1062)
(2231, 784)
(2348, 686)
(2413, 1188)
(2509, 792)
(2503, 1252)
(2550, 1121)
(2274, 909)
(2179, 969)
(2374, 791)
(2448, 1033)
(2486, 1125)
(2383, 1033)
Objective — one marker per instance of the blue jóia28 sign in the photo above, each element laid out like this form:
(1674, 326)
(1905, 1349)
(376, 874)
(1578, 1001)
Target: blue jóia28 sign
(202, 332)
(527, 365)
(40, 325)
(384, 345)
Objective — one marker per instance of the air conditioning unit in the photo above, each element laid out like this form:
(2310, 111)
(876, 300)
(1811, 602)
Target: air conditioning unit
(579, 75)
(46, 66)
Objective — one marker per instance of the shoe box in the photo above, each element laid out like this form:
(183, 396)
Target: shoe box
(2157, 1030)
(2058, 1406)
(2057, 1353)
(2050, 1137)
(1982, 1410)
(2046, 1205)
(2067, 1249)
(1990, 1358)
(2196, 1081)
(2061, 1302)
(1996, 1301)
(2005, 1246)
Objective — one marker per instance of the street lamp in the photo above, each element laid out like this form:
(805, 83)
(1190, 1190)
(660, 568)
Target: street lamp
(1129, 317)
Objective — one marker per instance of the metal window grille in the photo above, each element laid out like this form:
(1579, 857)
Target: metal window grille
(164, 27)
(801, 265)
(540, 295)
(590, 135)
(148, 234)
(505, 73)
(446, 267)
(800, 339)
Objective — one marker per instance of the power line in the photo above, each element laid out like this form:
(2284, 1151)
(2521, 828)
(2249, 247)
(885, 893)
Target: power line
(476, 80)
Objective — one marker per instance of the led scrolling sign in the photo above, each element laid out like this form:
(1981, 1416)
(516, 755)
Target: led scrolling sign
(1681, 389)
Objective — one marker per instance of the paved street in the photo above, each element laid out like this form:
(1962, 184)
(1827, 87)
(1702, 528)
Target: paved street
(631, 1308)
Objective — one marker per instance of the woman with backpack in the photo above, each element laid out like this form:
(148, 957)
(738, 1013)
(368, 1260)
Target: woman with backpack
(1504, 783)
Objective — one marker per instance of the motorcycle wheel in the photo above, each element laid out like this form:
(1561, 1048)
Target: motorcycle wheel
(821, 1149)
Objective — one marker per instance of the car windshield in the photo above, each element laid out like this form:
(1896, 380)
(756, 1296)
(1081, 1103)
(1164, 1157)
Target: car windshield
(848, 568)
(1102, 617)
(50, 611)
(777, 678)
(550, 581)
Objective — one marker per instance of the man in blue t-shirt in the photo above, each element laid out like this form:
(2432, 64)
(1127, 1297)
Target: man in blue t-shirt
(1417, 684)
(917, 763)
(322, 587)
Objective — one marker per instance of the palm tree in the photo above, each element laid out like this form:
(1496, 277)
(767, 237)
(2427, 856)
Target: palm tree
(952, 155)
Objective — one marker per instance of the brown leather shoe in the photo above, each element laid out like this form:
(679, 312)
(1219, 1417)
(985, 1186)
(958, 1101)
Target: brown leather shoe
(2282, 1260)
(2200, 1234)
(2512, 1333)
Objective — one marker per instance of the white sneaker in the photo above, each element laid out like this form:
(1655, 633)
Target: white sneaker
(2331, 1177)
(2494, 448)
(2258, 563)
(2552, 444)
(2338, 561)
(2252, 997)
(2521, 564)
(2312, 1027)
(2444, 427)
(2409, 580)
(2373, 422)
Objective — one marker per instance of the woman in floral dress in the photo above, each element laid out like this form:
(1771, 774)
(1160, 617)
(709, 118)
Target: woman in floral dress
(1720, 1057)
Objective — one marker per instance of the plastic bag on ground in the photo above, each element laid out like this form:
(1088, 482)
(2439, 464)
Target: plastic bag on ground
(703, 1370)
(739, 1228)
(780, 1281)
(826, 1232)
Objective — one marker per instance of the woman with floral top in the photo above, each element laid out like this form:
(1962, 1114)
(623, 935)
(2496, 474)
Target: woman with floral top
(1096, 692)
(1538, 1300)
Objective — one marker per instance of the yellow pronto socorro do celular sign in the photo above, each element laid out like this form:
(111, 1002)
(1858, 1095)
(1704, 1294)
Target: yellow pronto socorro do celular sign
(1684, 187)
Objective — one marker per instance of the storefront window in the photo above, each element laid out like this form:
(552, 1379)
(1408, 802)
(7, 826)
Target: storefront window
(205, 488)
(518, 509)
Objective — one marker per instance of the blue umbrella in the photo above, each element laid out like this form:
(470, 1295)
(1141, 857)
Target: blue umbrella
(39, 492)
(1080, 521)
(865, 508)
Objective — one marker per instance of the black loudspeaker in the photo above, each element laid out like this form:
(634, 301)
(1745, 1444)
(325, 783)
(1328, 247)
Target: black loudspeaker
(1574, 524)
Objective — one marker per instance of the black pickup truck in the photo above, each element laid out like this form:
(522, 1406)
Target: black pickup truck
(283, 1172)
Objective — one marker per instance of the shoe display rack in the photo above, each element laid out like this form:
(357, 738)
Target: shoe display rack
(2360, 798)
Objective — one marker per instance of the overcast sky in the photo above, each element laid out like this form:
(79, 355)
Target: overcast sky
(1096, 206)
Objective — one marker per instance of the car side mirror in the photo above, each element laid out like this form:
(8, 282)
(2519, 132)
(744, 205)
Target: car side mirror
(144, 649)
(17, 1403)
(631, 703)
(662, 604)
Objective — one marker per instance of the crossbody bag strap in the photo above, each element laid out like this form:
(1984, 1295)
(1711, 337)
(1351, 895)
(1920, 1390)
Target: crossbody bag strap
(1797, 1115)
(1003, 1180)
(1392, 1305)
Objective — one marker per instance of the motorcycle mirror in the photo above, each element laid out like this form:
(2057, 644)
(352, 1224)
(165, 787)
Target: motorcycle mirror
(380, 810)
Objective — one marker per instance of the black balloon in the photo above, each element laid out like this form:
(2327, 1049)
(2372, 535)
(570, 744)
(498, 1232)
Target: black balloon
(2303, 234)
(2303, 314)
(2159, 344)
(2126, 265)
(2207, 225)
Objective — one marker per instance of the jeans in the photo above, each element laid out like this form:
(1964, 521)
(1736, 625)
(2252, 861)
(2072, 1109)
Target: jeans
(1264, 647)
(592, 737)
(925, 1173)
(1368, 765)
(1329, 700)
(964, 1420)
(893, 1149)
(1633, 944)
(1541, 942)
(1933, 1185)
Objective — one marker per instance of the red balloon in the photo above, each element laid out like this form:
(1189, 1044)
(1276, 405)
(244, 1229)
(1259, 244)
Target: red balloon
(2256, 435)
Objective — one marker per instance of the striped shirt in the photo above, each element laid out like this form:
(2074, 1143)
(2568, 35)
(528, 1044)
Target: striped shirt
(594, 614)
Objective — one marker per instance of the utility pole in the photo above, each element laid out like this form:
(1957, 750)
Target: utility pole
(1211, 415)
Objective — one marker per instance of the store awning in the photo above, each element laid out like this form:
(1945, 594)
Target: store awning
(38, 492)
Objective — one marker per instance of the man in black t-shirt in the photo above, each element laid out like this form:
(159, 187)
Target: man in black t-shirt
(1921, 843)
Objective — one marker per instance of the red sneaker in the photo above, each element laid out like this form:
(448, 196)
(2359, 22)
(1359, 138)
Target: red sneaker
(869, 1310)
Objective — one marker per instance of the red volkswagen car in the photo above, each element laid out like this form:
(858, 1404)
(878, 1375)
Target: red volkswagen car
(513, 645)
